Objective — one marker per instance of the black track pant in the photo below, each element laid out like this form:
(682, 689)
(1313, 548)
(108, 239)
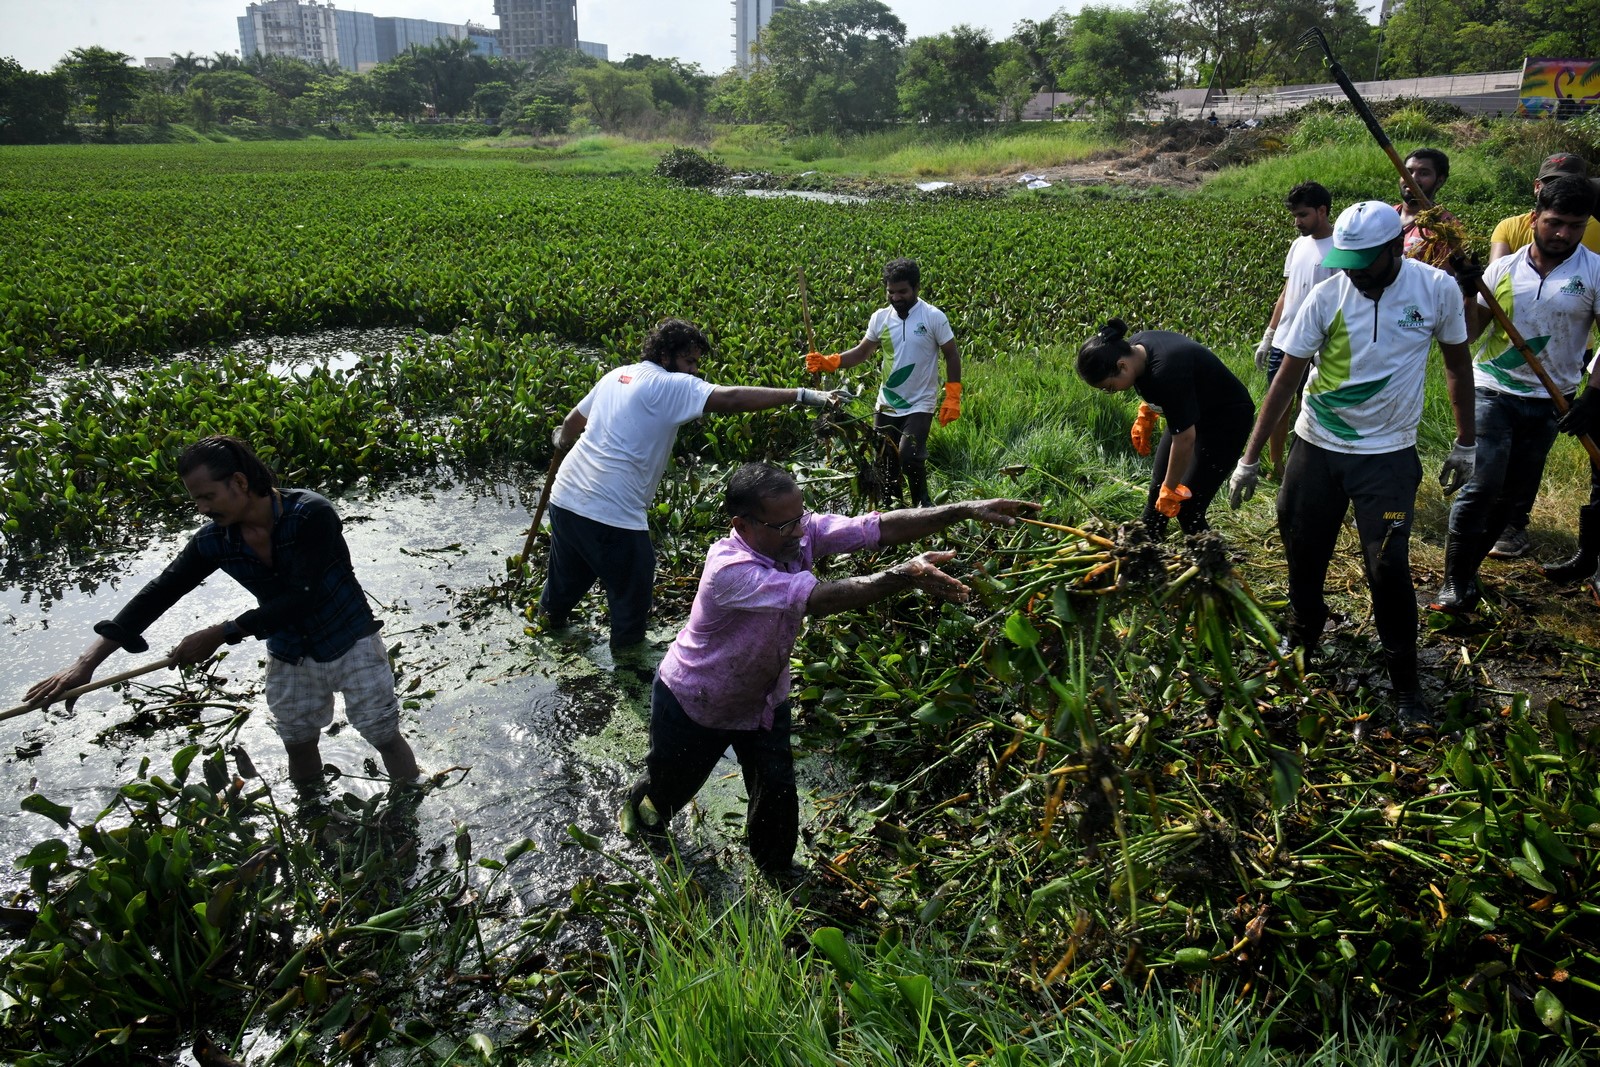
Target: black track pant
(1318, 486)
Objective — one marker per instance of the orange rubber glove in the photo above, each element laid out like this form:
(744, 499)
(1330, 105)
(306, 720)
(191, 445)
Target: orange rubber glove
(817, 363)
(950, 410)
(1144, 428)
(1171, 500)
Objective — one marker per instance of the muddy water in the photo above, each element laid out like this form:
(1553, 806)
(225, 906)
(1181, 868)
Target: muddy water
(551, 730)
(485, 697)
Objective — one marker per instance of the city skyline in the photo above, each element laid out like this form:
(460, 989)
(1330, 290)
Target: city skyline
(700, 31)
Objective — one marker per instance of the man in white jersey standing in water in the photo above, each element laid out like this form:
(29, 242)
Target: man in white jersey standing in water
(620, 437)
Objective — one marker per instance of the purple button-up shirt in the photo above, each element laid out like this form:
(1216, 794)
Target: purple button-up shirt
(729, 667)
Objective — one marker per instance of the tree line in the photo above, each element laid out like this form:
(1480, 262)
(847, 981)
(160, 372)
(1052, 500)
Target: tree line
(822, 65)
(445, 80)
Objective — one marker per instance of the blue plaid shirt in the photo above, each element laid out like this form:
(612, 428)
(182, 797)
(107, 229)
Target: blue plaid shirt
(310, 601)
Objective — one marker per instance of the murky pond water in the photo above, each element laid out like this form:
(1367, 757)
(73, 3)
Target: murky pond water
(551, 731)
(485, 698)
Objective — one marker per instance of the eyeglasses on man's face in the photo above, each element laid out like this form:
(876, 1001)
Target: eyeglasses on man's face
(783, 529)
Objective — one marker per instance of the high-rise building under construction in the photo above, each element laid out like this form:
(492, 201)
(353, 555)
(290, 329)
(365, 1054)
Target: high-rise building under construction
(528, 25)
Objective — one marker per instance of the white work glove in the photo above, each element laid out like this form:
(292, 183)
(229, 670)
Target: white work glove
(818, 399)
(1264, 349)
(1457, 469)
(1242, 486)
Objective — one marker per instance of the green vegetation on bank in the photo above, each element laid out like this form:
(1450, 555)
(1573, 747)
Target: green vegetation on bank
(1092, 821)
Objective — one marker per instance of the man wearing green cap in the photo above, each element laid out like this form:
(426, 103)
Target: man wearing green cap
(1373, 324)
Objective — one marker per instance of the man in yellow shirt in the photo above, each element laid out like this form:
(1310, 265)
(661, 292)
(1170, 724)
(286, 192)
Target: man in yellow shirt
(1512, 233)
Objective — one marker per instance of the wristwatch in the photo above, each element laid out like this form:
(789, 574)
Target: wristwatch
(231, 632)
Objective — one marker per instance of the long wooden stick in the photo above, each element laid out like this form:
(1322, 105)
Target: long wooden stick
(805, 311)
(544, 502)
(73, 694)
(1500, 317)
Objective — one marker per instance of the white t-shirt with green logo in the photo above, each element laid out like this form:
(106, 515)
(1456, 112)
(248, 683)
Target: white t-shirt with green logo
(1364, 395)
(1553, 314)
(912, 384)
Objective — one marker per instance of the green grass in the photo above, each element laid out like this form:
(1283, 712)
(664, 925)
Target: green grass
(903, 153)
(741, 982)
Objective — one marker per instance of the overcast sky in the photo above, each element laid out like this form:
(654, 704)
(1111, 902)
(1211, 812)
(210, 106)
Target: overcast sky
(38, 35)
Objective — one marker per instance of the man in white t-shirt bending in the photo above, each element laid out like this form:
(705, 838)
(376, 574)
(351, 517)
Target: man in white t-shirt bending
(1309, 204)
(1373, 324)
(620, 436)
(916, 334)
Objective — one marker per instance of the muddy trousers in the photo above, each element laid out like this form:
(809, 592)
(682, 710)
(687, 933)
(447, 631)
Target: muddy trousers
(582, 552)
(1217, 447)
(904, 448)
(1318, 486)
(1514, 438)
(683, 754)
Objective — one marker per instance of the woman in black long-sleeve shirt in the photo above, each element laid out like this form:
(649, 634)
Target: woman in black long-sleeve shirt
(1208, 413)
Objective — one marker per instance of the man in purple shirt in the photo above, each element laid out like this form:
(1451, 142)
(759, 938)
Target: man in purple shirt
(725, 680)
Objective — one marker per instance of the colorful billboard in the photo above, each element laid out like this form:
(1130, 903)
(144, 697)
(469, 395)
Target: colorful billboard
(1558, 87)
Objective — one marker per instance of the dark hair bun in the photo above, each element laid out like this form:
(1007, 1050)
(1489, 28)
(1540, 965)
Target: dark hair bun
(1113, 331)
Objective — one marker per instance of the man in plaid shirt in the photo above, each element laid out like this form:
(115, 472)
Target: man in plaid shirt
(286, 548)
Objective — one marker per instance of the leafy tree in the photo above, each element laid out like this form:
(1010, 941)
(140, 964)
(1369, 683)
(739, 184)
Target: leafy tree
(395, 89)
(229, 94)
(33, 106)
(613, 95)
(1039, 43)
(674, 85)
(1556, 28)
(186, 66)
(285, 76)
(1461, 36)
(449, 71)
(490, 99)
(202, 106)
(834, 63)
(949, 76)
(744, 98)
(337, 97)
(1112, 60)
(156, 105)
(104, 82)
(539, 115)
(1015, 80)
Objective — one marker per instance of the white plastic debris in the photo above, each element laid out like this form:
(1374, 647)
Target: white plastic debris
(929, 187)
(1038, 183)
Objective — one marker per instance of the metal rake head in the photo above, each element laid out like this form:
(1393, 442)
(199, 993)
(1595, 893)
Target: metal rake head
(1313, 35)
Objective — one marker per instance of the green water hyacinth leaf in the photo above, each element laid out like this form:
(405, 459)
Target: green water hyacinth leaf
(830, 941)
(56, 813)
(1551, 1011)
(1020, 631)
(1531, 874)
(584, 838)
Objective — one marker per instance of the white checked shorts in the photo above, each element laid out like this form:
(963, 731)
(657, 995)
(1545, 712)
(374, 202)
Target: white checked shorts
(300, 695)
